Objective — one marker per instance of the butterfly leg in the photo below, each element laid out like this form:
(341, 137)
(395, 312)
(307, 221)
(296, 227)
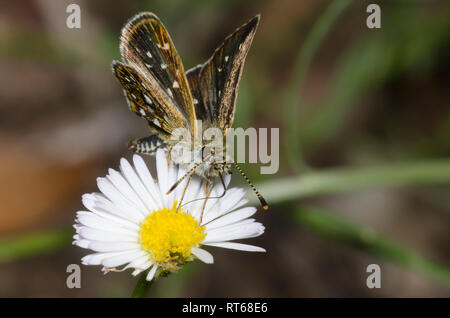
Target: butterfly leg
(184, 191)
(208, 191)
(224, 187)
(169, 155)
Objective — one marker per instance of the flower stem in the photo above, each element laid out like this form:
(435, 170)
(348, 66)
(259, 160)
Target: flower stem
(142, 286)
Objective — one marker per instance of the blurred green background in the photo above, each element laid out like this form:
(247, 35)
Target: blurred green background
(364, 122)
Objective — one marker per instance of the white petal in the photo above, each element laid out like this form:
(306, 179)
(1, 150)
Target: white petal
(227, 179)
(203, 255)
(151, 273)
(110, 191)
(147, 180)
(179, 189)
(194, 191)
(94, 221)
(126, 190)
(114, 211)
(140, 262)
(112, 217)
(231, 218)
(172, 178)
(234, 232)
(105, 236)
(121, 259)
(214, 202)
(81, 242)
(92, 201)
(88, 200)
(115, 247)
(230, 201)
(197, 205)
(238, 246)
(97, 258)
(137, 271)
(136, 184)
(163, 175)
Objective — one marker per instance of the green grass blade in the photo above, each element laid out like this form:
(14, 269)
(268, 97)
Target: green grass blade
(348, 179)
(368, 241)
(292, 96)
(12, 249)
(369, 62)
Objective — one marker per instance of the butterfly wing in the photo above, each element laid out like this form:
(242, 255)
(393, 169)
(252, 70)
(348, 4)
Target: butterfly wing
(142, 100)
(147, 48)
(201, 112)
(214, 84)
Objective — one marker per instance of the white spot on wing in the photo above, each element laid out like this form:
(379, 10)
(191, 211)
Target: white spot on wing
(142, 111)
(226, 58)
(175, 84)
(163, 66)
(147, 99)
(195, 101)
(156, 122)
(149, 54)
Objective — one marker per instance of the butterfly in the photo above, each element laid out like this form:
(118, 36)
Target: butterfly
(158, 89)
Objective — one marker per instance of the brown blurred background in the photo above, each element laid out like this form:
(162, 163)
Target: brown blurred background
(376, 95)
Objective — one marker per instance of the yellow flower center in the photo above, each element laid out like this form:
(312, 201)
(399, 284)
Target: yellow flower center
(168, 236)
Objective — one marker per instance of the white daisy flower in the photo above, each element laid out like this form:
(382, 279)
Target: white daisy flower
(133, 222)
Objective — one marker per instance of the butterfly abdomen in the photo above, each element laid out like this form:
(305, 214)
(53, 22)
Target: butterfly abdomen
(146, 145)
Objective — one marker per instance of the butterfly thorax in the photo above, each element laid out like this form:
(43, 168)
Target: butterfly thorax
(214, 159)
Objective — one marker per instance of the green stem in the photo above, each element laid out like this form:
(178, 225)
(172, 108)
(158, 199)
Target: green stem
(348, 179)
(142, 286)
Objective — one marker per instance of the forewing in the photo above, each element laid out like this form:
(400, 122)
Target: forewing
(219, 77)
(147, 46)
(142, 100)
(201, 112)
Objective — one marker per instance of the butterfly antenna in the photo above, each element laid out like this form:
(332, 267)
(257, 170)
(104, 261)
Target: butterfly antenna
(260, 197)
